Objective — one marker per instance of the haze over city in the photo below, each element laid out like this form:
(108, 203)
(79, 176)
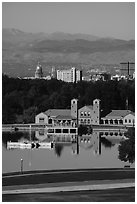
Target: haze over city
(106, 19)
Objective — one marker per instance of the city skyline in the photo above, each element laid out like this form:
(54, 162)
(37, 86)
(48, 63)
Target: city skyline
(102, 19)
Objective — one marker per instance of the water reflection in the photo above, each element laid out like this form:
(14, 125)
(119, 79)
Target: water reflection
(58, 149)
(37, 148)
(40, 139)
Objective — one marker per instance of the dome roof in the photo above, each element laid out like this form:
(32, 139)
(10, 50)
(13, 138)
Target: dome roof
(39, 67)
(38, 72)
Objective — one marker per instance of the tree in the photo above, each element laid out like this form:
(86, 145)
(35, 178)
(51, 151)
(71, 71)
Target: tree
(127, 147)
(58, 149)
(29, 115)
(20, 95)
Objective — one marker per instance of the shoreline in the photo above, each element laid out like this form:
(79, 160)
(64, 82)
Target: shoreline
(33, 127)
(56, 185)
(65, 170)
(77, 175)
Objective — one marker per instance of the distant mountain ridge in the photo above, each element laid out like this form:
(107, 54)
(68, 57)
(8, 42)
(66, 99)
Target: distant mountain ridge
(26, 48)
(11, 32)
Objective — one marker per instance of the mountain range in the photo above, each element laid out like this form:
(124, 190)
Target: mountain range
(24, 48)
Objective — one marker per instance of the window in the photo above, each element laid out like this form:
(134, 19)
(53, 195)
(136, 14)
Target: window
(41, 120)
(125, 120)
(102, 121)
(81, 113)
(57, 130)
(116, 121)
(116, 133)
(85, 113)
(50, 121)
(72, 130)
(120, 121)
(111, 121)
(85, 121)
(111, 133)
(88, 121)
(106, 121)
(65, 130)
(88, 113)
(50, 130)
(129, 121)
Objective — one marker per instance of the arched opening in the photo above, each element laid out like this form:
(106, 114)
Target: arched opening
(116, 122)
(120, 121)
(116, 133)
(111, 121)
(106, 121)
(101, 121)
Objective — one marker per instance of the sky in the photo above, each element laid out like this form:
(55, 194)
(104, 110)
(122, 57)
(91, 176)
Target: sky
(103, 19)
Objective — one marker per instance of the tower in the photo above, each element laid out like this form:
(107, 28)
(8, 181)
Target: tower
(73, 74)
(74, 108)
(96, 112)
(97, 143)
(38, 72)
(53, 73)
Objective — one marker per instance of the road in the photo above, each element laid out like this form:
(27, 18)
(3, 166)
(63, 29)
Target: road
(67, 176)
(113, 195)
(70, 185)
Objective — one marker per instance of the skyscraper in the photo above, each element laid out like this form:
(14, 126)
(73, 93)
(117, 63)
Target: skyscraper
(53, 73)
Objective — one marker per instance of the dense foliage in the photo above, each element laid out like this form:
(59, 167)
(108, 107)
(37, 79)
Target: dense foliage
(127, 147)
(22, 99)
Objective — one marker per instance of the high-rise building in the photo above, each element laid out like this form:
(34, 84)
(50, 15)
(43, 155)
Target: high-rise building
(38, 72)
(71, 75)
(53, 73)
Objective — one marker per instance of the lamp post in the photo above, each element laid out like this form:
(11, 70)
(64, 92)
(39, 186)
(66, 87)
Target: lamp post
(21, 167)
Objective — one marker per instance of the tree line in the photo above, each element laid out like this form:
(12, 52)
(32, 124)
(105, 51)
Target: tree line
(22, 99)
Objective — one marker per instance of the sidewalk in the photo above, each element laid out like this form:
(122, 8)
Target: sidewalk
(69, 186)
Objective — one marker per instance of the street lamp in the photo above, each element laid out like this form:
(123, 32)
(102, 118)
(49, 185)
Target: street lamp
(21, 167)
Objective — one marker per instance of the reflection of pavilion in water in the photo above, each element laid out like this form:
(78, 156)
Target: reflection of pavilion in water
(40, 139)
(92, 141)
(76, 142)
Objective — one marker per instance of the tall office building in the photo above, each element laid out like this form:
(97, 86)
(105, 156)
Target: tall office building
(71, 75)
(53, 73)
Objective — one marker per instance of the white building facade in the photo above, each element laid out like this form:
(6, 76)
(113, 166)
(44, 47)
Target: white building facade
(71, 75)
(90, 115)
(59, 116)
(119, 117)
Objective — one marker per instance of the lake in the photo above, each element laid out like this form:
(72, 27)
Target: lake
(93, 151)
